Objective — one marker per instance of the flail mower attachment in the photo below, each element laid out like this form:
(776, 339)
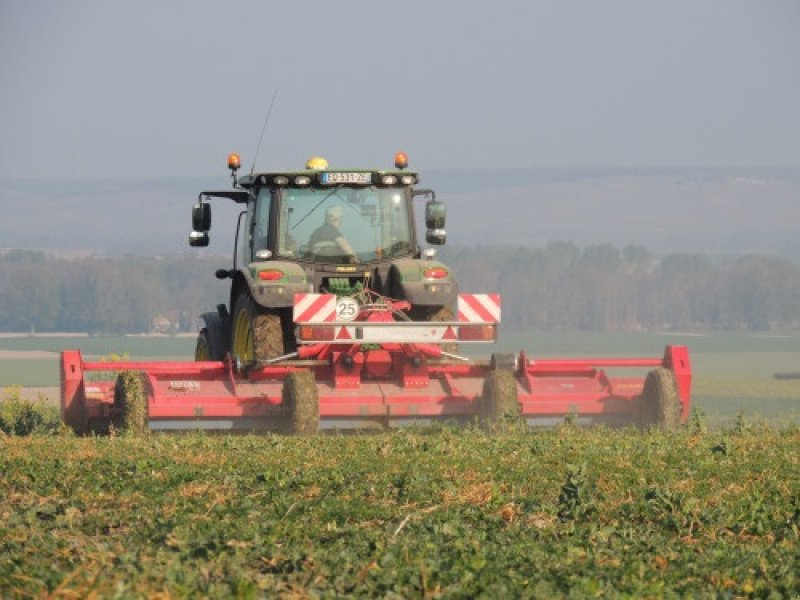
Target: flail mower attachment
(374, 372)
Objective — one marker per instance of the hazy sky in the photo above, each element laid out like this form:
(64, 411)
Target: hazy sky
(112, 88)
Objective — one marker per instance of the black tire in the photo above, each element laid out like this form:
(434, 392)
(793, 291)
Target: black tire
(499, 404)
(301, 402)
(660, 403)
(202, 349)
(434, 314)
(210, 341)
(130, 403)
(256, 333)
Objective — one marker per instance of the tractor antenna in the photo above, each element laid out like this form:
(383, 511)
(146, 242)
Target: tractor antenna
(264, 129)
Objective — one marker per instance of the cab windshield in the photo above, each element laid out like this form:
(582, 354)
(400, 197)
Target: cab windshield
(344, 224)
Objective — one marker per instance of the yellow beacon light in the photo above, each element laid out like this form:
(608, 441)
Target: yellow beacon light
(316, 163)
(234, 162)
(401, 160)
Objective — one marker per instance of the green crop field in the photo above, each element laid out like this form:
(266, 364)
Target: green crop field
(422, 513)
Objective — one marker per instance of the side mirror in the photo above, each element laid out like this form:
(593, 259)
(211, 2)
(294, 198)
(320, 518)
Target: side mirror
(198, 238)
(436, 236)
(201, 216)
(435, 213)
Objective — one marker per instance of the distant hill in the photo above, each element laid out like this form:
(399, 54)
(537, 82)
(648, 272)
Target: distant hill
(726, 211)
(107, 217)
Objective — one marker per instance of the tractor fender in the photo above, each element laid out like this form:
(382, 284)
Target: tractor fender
(407, 281)
(266, 288)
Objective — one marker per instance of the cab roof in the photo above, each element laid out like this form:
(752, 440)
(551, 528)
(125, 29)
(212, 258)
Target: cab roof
(322, 178)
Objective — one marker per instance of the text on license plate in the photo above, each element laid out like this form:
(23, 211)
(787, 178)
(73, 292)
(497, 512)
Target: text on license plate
(347, 178)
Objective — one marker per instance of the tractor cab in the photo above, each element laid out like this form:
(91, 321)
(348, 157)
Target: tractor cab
(336, 217)
(322, 215)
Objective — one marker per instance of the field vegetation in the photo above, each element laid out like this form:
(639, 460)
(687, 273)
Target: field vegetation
(21, 416)
(418, 513)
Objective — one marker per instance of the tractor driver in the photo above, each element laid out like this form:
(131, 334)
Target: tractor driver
(329, 233)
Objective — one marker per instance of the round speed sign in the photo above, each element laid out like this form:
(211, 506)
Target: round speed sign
(346, 309)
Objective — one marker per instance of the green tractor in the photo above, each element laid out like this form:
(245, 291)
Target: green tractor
(320, 230)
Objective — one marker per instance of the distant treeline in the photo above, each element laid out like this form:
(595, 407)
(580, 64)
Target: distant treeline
(106, 295)
(604, 288)
(560, 286)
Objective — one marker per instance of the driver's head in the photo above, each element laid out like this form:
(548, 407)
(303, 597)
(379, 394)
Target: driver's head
(334, 215)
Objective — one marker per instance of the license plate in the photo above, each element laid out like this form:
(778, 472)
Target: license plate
(362, 178)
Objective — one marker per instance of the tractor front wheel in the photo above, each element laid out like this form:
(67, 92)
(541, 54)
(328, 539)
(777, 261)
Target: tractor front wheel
(301, 401)
(660, 403)
(257, 333)
(202, 350)
(499, 404)
(130, 403)
(211, 341)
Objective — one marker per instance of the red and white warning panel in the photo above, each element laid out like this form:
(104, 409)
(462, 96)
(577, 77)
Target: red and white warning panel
(321, 318)
(314, 308)
(479, 308)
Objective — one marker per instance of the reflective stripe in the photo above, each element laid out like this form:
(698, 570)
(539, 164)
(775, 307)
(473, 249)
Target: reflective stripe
(314, 308)
(479, 308)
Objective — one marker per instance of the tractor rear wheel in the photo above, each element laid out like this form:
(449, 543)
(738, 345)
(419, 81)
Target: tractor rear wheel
(301, 401)
(660, 403)
(130, 403)
(499, 404)
(257, 333)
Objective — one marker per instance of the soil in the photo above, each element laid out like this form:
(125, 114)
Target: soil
(28, 354)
